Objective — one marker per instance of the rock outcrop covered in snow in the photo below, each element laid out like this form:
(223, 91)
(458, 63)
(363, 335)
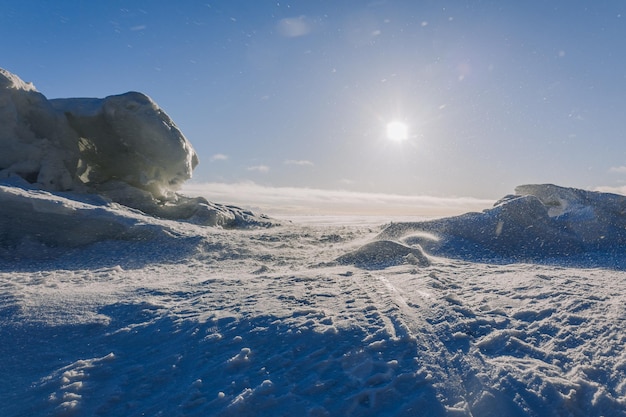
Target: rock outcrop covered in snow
(58, 157)
(538, 222)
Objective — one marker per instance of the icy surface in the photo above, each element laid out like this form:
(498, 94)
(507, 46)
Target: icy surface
(37, 224)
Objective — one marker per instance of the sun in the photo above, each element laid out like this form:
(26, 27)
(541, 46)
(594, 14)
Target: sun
(397, 131)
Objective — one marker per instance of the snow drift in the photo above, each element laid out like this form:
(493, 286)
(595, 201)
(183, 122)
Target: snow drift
(65, 162)
(538, 222)
(382, 254)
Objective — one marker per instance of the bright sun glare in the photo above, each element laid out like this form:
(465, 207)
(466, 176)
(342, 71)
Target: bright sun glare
(397, 131)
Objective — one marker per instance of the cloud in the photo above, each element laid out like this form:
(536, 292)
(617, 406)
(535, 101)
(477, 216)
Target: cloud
(259, 168)
(292, 27)
(618, 170)
(610, 189)
(286, 201)
(218, 157)
(299, 162)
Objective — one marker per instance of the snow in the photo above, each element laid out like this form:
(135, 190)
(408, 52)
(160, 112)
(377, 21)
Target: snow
(67, 144)
(107, 309)
(382, 254)
(266, 322)
(539, 223)
(121, 149)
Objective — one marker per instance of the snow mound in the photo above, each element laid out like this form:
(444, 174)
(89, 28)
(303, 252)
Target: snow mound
(538, 222)
(66, 166)
(384, 253)
(75, 222)
(39, 224)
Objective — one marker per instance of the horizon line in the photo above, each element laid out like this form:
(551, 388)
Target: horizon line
(285, 201)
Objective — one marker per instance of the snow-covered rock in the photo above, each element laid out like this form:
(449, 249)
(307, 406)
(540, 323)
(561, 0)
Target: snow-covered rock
(538, 222)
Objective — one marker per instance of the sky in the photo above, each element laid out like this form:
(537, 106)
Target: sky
(299, 94)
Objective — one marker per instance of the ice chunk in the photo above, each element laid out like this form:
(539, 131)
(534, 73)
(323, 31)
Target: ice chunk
(85, 144)
(36, 142)
(65, 162)
(128, 138)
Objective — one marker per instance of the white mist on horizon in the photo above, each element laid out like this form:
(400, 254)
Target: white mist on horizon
(294, 201)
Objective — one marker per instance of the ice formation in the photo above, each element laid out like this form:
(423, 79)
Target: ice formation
(537, 222)
(83, 144)
(64, 162)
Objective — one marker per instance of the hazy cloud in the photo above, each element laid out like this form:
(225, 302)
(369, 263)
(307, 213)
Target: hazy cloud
(610, 189)
(618, 170)
(292, 27)
(299, 162)
(259, 168)
(287, 201)
(218, 157)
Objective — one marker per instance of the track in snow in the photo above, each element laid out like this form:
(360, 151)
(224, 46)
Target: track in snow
(266, 322)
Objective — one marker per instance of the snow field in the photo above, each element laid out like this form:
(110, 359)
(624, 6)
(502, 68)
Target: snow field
(265, 322)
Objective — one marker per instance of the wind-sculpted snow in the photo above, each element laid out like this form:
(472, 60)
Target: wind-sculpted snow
(382, 254)
(538, 223)
(37, 224)
(264, 322)
(64, 163)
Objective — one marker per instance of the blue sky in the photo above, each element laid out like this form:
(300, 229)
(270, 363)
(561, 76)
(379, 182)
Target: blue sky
(298, 93)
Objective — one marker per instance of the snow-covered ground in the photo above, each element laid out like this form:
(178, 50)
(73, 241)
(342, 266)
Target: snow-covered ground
(120, 297)
(266, 322)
